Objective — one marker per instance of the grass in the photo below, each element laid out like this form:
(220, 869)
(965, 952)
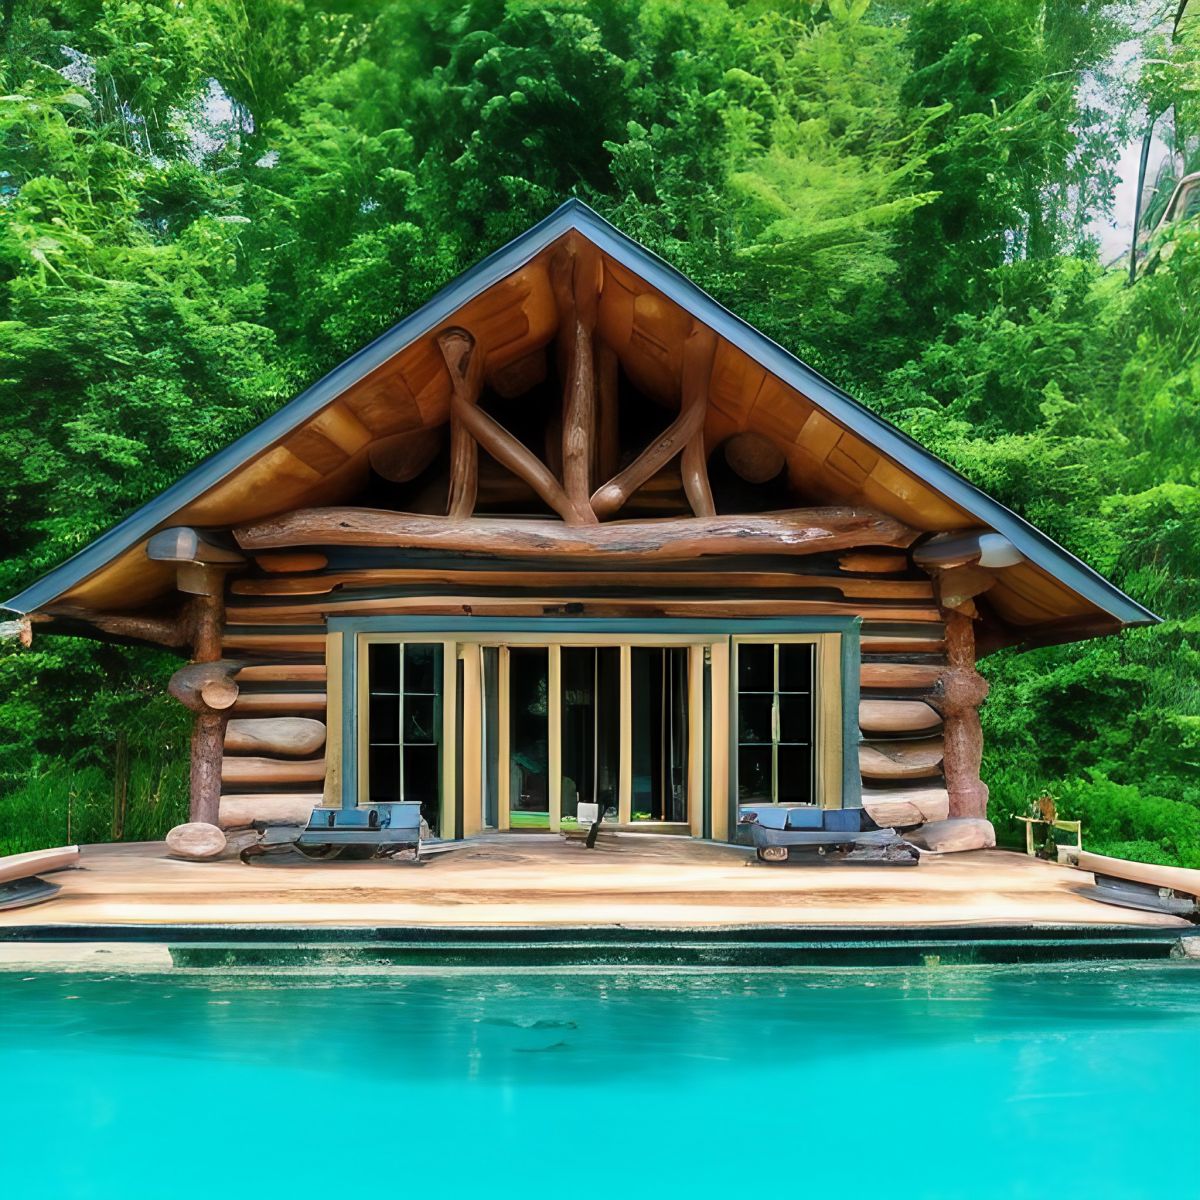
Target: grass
(142, 797)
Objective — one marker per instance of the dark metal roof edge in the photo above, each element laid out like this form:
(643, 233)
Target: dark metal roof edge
(574, 214)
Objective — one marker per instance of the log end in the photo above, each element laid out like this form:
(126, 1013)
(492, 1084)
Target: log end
(196, 841)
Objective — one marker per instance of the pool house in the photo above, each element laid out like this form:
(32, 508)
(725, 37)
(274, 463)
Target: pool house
(574, 541)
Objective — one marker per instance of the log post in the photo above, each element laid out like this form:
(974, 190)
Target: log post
(954, 565)
(960, 692)
(205, 686)
(211, 702)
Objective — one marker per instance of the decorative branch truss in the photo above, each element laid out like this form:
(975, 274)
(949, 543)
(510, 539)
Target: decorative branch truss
(589, 443)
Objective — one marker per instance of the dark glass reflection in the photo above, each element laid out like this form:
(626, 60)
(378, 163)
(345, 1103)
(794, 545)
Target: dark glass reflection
(528, 714)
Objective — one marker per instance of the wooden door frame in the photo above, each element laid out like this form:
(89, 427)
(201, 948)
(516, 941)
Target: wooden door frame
(711, 759)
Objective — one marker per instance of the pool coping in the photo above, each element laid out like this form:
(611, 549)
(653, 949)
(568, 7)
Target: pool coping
(615, 946)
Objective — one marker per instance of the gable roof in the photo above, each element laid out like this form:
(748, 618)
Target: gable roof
(1101, 598)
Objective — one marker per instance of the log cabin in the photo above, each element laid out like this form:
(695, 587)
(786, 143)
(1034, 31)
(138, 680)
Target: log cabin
(573, 533)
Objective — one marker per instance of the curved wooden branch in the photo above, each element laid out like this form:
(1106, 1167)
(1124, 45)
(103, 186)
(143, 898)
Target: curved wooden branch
(797, 531)
(609, 498)
(466, 382)
(457, 347)
(206, 686)
(698, 354)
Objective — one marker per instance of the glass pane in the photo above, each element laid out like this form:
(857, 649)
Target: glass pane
(384, 774)
(383, 666)
(421, 778)
(660, 733)
(420, 714)
(795, 666)
(756, 667)
(384, 724)
(795, 718)
(754, 773)
(491, 736)
(591, 732)
(529, 794)
(608, 729)
(421, 667)
(754, 718)
(795, 775)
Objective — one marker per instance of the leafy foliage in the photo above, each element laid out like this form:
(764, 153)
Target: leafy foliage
(205, 207)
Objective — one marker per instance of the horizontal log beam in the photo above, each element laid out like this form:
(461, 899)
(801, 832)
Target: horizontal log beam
(293, 736)
(258, 771)
(899, 675)
(900, 760)
(281, 673)
(897, 716)
(253, 703)
(563, 603)
(798, 531)
(280, 564)
(874, 564)
(902, 808)
(848, 585)
(268, 808)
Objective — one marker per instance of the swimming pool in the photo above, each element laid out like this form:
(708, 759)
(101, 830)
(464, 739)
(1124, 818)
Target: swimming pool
(972, 1082)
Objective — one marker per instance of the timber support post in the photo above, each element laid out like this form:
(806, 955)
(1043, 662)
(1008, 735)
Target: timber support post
(960, 692)
(963, 566)
(211, 702)
(205, 686)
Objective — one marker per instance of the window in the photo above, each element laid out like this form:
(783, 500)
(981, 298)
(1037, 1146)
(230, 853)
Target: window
(404, 721)
(775, 727)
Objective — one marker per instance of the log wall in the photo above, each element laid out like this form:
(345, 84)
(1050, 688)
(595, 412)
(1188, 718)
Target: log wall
(274, 766)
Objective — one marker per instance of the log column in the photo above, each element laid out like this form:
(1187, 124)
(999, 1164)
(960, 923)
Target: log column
(206, 685)
(960, 691)
(963, 566)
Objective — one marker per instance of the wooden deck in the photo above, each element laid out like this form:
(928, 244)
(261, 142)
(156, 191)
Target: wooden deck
(538, 880)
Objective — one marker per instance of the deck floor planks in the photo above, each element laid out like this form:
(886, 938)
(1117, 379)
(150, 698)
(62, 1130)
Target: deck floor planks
(525, 880)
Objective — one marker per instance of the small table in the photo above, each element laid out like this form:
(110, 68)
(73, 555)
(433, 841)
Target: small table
(1075, 827)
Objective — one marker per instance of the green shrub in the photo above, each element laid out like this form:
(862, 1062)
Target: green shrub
(1122, 821)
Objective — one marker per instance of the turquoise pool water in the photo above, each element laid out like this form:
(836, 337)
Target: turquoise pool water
(944, 1082)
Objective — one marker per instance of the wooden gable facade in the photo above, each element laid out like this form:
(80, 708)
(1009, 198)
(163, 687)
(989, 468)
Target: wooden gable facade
(573, 534)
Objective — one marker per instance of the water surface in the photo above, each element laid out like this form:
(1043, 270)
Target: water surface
(941, 1082)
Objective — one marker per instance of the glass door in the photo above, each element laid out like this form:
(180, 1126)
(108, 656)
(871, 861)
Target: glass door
(565, 725)
(775, 722)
